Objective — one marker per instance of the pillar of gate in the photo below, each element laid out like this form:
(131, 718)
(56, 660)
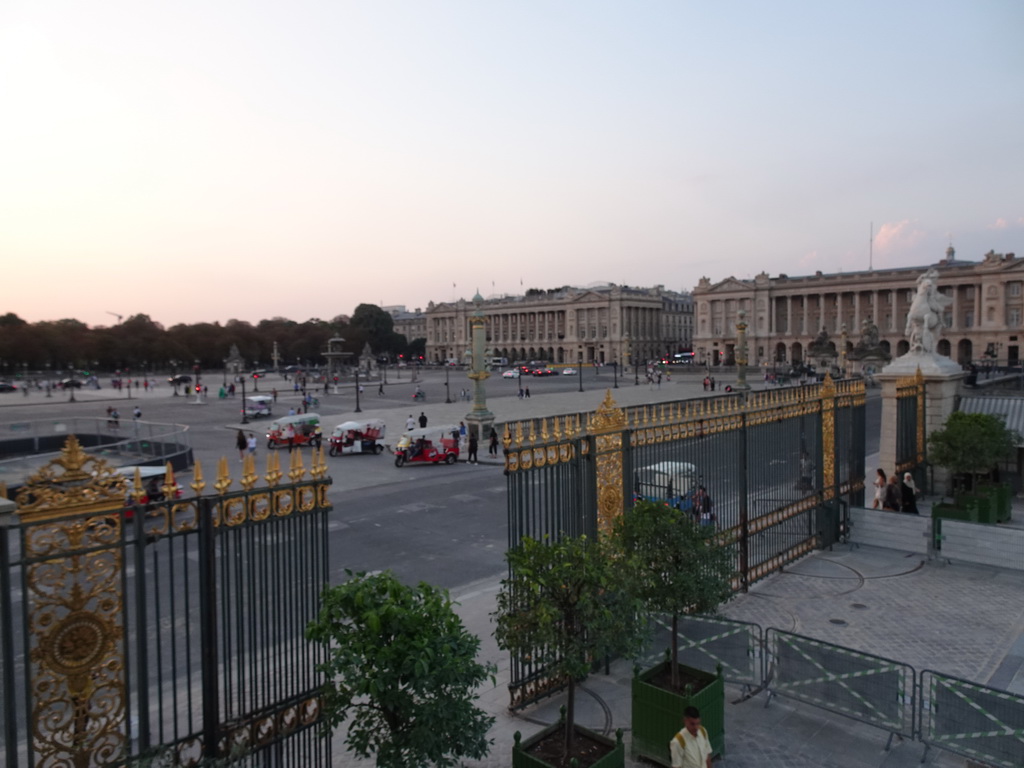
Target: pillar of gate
(937, 379)
(608, 427)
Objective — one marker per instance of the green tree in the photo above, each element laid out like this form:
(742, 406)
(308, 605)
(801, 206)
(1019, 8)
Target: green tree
(402, 670)
(378, 328)
(971, 444)
(564, 605)
(673, 565)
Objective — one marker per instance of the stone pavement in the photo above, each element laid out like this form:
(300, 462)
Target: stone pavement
(959, 620)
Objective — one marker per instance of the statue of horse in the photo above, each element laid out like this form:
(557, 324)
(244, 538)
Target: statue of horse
(924, 320)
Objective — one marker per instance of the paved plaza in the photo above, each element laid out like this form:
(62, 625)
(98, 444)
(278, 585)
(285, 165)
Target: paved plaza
(966, 621)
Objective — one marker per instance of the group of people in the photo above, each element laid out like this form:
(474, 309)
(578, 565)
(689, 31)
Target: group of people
(709, 383)
(893, 495)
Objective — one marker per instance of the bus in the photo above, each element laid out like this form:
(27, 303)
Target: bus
(679, 358)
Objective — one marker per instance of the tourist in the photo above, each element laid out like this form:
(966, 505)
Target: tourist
(241, 444)
(908, 495)
(410, 423)
(879, 484)
(251, 444)
(472, 448)
(891, 498)
(691, 748)
(492, 449)
(423, 420)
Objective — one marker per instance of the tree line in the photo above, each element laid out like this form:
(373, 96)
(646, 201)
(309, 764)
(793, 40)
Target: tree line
(141, 344)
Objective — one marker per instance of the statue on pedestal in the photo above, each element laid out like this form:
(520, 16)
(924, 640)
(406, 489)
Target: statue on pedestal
(924, 320)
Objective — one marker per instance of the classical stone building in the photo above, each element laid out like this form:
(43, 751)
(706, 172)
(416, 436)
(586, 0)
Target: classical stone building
(412, 325)
(606, 324)
(786, 314)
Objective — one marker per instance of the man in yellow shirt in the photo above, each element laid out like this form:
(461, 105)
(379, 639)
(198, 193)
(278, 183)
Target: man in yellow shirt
(690, 748)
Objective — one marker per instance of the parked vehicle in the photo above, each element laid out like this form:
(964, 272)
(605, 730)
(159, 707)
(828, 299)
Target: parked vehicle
(673, 482)
(430, 445)
(357, 437)
(257, 406)
(305, 430)
(6, 386)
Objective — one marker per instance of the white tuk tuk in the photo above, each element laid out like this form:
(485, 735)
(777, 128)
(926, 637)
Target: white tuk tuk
(358, 437)
(258, 405)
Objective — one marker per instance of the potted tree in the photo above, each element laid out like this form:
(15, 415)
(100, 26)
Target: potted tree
(673, 566)
(401, 672)
(970, 446)
(564, 605)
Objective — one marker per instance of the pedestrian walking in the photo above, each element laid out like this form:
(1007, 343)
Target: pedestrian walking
(492, 449)
(423, 420)
(908, 495)
(250, 444)
(879, 484)
(462, 431)
(241, 444)
(526, 393)
(137, 413)
(273, 394)
(410, 423)
(892, 498)
(521, 394)
(472, 448)
(380, 389)
(691, 748)
(289, 435)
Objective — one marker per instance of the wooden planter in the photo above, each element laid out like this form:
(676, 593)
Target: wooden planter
(658, 713)
(614, 759)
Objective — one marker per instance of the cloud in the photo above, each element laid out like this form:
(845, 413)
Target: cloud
(897, 236)
(1000, 224)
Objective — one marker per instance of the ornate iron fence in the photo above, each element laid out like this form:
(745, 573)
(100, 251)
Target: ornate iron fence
(171, 630)
(910, 423)
(780, 466)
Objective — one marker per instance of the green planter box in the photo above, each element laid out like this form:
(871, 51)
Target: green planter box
(953, 512)
(614, 759)
(658, 714)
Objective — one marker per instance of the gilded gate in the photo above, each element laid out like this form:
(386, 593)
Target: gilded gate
(169, 631)
(781, 466)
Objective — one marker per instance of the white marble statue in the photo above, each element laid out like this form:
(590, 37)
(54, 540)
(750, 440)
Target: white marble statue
(924, 320)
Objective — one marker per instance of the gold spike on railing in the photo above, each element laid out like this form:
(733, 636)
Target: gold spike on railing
(170, 487)
(249, 476)
(223, 478)
(137, 485)
(544, 430)
(273, 476)
(197, 483)
(297, 469)
(519, 434)
(319, 464)
(556, 429)
(506, 438)
(533, 432)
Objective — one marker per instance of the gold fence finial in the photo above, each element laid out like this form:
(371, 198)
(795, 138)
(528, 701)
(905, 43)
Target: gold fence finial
(556, 429)
(249, 476)
(506, 438)
(533, 431)
(544, 430)
(223, 478)
(519, 434)
(273, 476)
(137, 486)
(197, 483)
(298, 469)
(170, 488)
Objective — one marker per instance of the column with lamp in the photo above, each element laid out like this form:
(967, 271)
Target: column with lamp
(245, 414)
(479, 419)
(615, 371)
(741, 352)
(447, 392)
(579, 367)
(358, 409)
(71, 389)
(255, 376)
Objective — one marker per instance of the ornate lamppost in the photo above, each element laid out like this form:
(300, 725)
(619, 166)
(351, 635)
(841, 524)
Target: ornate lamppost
(447, 393)
(479, 418)
(615, 371)
(579, 368)
(358, 409)
(741, 352)
(245, 414)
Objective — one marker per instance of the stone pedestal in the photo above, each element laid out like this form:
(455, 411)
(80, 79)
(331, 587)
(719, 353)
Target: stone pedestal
(941, 377)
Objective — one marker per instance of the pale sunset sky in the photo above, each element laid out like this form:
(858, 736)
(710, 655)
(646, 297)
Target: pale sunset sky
(202, 161)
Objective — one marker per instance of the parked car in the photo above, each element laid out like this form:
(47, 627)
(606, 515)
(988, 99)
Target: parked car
(6, 386)
(510, 374)
(568, 371)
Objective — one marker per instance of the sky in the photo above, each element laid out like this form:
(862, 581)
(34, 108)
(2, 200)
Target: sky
(207, 161)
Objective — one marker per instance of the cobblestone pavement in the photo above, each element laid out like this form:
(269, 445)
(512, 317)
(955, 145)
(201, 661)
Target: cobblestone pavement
(959, 620)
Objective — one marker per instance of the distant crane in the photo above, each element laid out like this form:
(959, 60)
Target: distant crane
(119, 317)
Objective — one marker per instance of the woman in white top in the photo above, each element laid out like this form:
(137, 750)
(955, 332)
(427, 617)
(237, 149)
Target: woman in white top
(879, 488)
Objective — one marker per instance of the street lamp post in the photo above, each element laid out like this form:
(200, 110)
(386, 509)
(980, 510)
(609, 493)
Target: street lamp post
(636, 374)
(255, 376)
(447, 393)
(358, 409)
(245, 416)
(579, 370)
(615, 372)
